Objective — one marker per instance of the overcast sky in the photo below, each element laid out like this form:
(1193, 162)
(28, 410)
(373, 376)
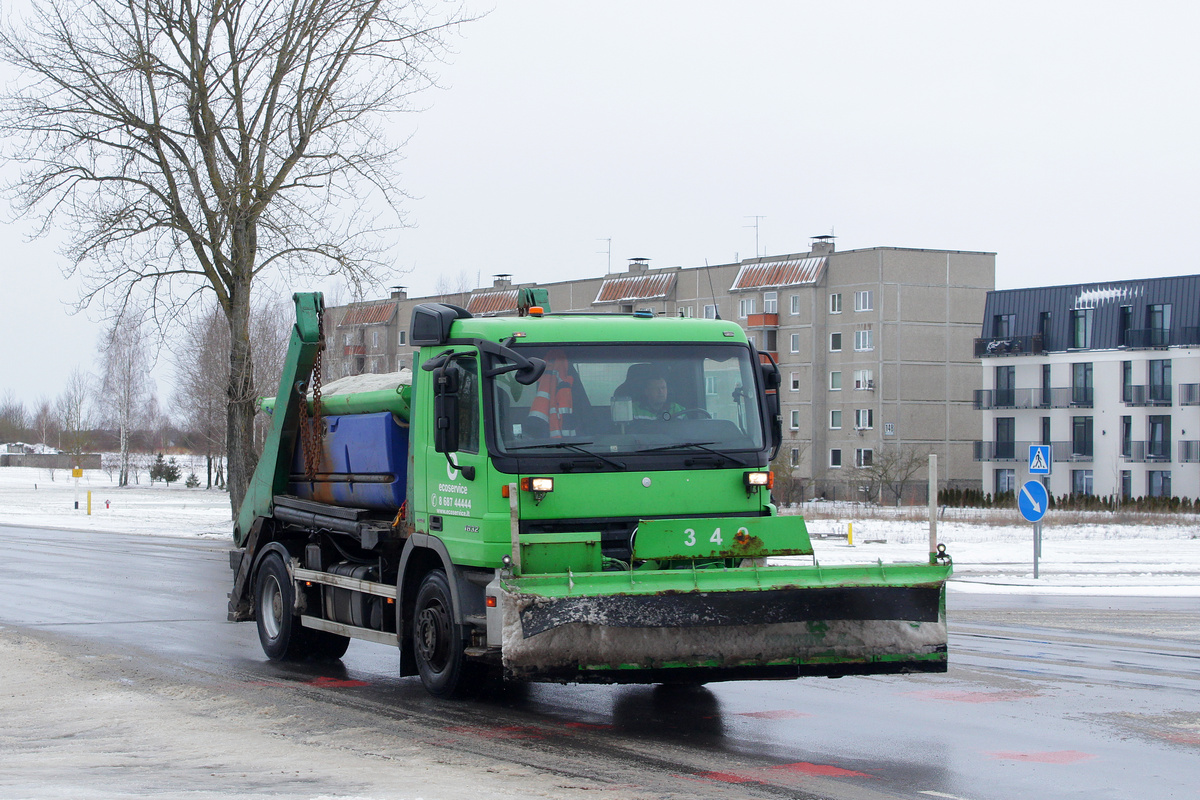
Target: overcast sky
(1061, 136)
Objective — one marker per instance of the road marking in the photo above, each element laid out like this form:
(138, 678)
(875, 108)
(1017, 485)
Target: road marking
(1051, 757)
(972, 697)
(774, 714)
(943, 794)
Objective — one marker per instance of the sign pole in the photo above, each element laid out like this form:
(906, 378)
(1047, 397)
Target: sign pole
(1037, 546)
(933, 506)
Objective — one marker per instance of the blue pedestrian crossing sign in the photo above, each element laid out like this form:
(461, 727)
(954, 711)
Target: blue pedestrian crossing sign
(1039, 459)
(1033, 500)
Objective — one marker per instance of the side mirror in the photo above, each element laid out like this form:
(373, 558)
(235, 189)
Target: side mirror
(445, 411)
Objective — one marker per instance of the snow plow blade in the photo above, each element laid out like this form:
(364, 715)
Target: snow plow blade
(746, 623)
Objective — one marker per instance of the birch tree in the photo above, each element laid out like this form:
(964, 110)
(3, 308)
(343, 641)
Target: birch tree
(124, 383)
(193, 146)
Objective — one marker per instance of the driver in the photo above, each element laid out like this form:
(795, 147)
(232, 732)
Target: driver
(653, 401)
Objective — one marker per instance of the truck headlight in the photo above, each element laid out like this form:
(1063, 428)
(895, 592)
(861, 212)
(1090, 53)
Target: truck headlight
(756, 480)
(539, 485)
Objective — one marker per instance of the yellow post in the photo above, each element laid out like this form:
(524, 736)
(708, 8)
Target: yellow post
(89, 502)
(850, 534)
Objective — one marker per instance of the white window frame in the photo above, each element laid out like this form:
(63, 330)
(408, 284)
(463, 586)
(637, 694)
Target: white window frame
(838, 379)
(795, 459)
(864, 419)
(795, 305)
(858, 457)
(745, 307)
(795, 419)
(770, 302)
(710, 310)
(375, 337)
(710, 385)
(794, 342)
(864, 340)
(685, 311)
(864, 379)
(835, 419)
(402, 337)
(837, 349)
(837, 450)
(864, 300)
(835, 303)
(795, 381)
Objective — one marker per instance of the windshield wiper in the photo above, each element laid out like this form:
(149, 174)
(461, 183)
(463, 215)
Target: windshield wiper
(576, 446)
(698, 446)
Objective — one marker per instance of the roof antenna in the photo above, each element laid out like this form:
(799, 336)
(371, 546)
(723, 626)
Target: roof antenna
(712, 291)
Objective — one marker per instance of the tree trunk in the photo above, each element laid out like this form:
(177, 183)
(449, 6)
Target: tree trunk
(239, 436)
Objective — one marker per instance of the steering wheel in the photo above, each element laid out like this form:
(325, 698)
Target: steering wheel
(696, 413)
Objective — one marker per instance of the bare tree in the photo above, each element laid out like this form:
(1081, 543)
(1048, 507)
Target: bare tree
(192, 146)
(45, 422)
(125, 382)
(789, 483)
(14, 420)
(893, 467)
(74, 416)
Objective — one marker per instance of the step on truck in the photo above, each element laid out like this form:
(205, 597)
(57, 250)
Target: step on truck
(556, 497)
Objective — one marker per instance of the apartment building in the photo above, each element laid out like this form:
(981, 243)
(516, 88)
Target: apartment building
(1108, 374)
(875, 345)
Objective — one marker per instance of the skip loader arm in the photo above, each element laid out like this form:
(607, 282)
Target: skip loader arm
(271, 475)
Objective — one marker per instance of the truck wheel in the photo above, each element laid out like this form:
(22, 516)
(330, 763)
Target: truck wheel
(274, 597)
(437, 641)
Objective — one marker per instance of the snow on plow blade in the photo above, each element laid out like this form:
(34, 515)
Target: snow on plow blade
(726, 624)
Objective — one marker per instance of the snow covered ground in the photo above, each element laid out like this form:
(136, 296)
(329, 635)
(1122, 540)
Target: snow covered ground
(1160, 556)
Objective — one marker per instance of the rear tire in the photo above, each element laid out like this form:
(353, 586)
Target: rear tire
(437, 641)
(279, 629)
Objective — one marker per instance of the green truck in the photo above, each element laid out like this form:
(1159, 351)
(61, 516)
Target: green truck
(556, 497)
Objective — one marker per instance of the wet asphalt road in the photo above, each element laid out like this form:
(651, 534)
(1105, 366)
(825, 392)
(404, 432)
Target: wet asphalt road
(1047, 697)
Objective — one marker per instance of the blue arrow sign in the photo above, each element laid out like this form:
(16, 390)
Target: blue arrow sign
(1033, 500)
(1039, 459)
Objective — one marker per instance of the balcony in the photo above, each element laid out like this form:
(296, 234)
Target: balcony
(762, 321)
(1002, 451)
(1082, 450)
(1189, 452)
(1152, 395)
(1055, 397)
(1009, 346)
(1189, 394)
(354, 350)
(1152, 451)
(1154, 338)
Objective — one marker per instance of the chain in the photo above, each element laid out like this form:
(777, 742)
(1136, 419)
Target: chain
(312, 428)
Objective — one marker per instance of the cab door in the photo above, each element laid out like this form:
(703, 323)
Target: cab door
(456, 460)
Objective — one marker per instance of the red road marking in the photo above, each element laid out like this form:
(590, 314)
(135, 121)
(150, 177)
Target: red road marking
(823, 770)
(726, 777)
(1051, 757)
(774, 714)
(334, 683)
(771, 775)
(504, 732)
(588, 726)
(1181, 738)
(973, 697)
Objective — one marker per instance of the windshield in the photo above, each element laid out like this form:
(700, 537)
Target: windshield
(622, 399)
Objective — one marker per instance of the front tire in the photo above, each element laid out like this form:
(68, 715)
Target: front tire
(437, 640)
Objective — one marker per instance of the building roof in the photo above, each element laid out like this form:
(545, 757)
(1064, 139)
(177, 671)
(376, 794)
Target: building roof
(485, 303)
(372, 314)
(636, 287)
(779, 272)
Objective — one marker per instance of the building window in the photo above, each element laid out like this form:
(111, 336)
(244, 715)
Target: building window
(1006, 481)
(1126, 381)
(745, 307)
(349, 340)
(1003, 325)
(864, 419)
(1045, 430)
(770, 338)
(1081, 328)
(375, 338)
(795, 304)
(864, 379)
(1126, 484)
(685, 311)
(402, 338)
(835, 303)
(835, 381)
(1081, 383)
(1158, 446)
(795, 381)
(835, 457)
(1006, 446)
(1044, 329)
(1158, 320)
(1081, 437)
(863, 340)
(795, 420)
(1158, 483)
(835, 419)
(835, 342)
(1125, 324)
(794, 342)
(710, 385)
(1081, 481)
(1160, 381)
(1047, 395)
(864, 457)
(862, 301)
(1126, 436)
(710, 311)
(795, 459)
(1006, 387)
(770, 302)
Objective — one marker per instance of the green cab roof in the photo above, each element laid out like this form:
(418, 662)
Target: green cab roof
(598, 328)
